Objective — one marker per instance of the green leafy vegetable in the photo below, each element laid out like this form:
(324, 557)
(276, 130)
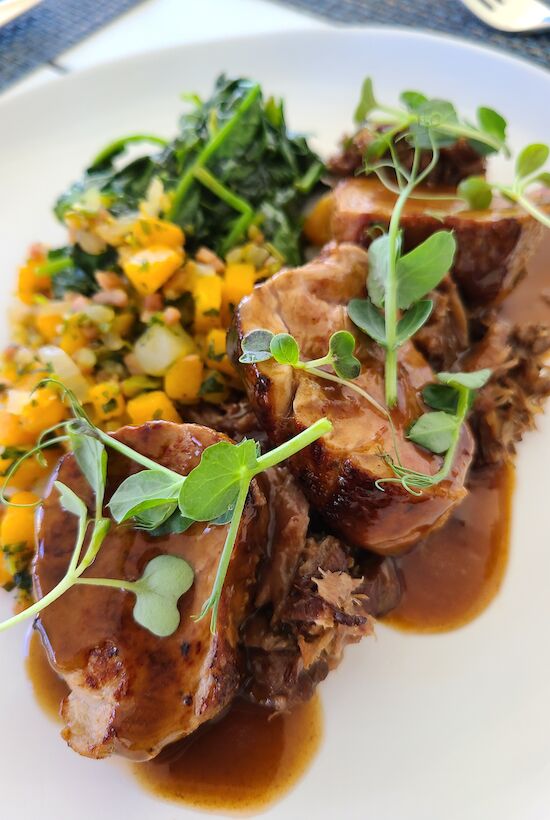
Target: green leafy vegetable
(364, 315)
(434, 431)
(413, 320)
(477, 192)
(284, 349)
(341, 347)
(422, 269)
(144, 491)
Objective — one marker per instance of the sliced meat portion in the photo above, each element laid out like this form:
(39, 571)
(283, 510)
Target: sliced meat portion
(132, 692)
(456, 162)
(446, 334)
(315, 596)
(234, 418)
(493, 246)
(338, 473)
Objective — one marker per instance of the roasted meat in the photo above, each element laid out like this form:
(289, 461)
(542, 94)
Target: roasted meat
(493, 246)
(132, 693)
(338, 473)
(315, 596)
(456, 162)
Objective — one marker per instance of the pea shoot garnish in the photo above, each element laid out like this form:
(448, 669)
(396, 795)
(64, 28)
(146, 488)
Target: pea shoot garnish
(437, 431)
(529, 171)
(158, 500)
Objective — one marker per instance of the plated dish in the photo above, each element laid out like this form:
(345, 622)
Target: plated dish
(362, 366)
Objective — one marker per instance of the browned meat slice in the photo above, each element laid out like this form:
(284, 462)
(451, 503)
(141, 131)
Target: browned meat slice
(315, 596)
(234, 418)
(456, 162)
(132, 693)
(493, 245)
(338, 474)
(446, 334)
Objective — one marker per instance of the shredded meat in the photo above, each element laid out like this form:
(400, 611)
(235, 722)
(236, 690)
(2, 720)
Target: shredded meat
(315, 595)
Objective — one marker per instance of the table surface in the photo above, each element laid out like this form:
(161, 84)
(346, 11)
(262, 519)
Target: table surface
(163, 23)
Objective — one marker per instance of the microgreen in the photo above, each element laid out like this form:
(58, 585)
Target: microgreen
(160, 501)
(165, 579)
(426, 121)
(478, 192)
(439, 430)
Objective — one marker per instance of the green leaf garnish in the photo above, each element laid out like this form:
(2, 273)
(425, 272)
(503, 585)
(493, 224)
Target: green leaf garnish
(367, 101)
(378, 270)
(472, 381)
(363, 313)
(434, 431)
(341, 347)
(284, 349)
(531, 159)
(144, 491)
(413, 320)
(165, 579)
(422, 269)
(256, 347)
(213, 486)
(477, 192)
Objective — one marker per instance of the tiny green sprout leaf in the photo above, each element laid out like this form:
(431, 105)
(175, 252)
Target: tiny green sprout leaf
(531, 159)
(174, 524)
(441, 397)
(367, 318)
(91, 457)
(378, 254)
(345, 364)
(151, 518)
(413, 100)
(375, 149)
(284, 349)
(214, 484)
(477, 192)
(544, 178)
(70, 501)
(255, 347)
(165, 580)
(367, 102)
(492, 123)
(422, 269)
(433, 115)
(471, 381)
(434, 431)
(413, 320)
(144, 491)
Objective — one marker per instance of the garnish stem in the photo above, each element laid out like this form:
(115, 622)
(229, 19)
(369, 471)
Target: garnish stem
(124, 450)
(293, 446)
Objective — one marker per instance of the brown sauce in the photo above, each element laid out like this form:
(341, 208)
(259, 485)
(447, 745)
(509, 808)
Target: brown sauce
(48, 688)
(530, 300)
(451, 576)
(241, 763)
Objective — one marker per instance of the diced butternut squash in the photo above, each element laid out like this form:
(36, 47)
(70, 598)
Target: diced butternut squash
(29, 282)
(5, 574)
(215, 351)
(123, 323)
(17, 526)
(238, 282)
(214, 387)
(151, 407)
(107, 400)
(49, 325)
(12, 432)
(148, 269)
(183, 379)
(149, 231)
(208, 302)
(44, 410)
(73, 337)
(31, 471)
(317, 223)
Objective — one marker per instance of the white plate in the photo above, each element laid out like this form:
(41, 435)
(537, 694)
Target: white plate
(10, 9)
(455, 726)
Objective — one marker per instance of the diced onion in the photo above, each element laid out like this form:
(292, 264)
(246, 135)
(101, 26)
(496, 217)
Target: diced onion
(65, 369)
(159, 347)
(16, 400)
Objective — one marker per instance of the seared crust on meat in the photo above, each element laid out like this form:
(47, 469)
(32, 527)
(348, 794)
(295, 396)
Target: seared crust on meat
(493, 246)
(338, 473)
(132, 692)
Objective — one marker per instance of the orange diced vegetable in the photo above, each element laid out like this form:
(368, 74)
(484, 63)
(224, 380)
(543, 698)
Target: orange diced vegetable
(73, 336)
(49, 325)
(216, 351)
(149, 231)
(238, 282)
(148, 269)
(107, 400)
(317, 224)
(152, 406)
(29, 282)
(208, 301)
(12, 432)
(44, 410)
(17, 526)
(183, 379)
